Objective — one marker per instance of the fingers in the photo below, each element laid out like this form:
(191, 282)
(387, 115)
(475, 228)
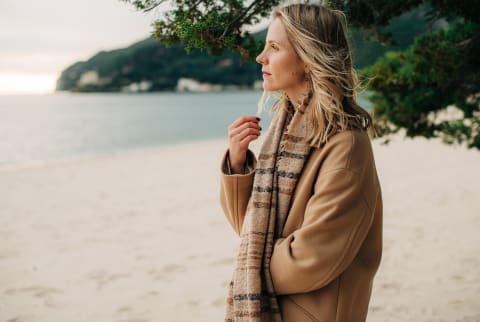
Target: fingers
(248, 135)
(244, 119)
(243, 123)
(245, 142)
(245, 130)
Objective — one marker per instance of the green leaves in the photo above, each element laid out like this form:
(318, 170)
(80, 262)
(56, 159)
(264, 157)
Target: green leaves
(412, 88)
(212, 25)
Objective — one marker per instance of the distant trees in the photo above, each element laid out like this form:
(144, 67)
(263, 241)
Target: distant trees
(413, 89)
(161, 67)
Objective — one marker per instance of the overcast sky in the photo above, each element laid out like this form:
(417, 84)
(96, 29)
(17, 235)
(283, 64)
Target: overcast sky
(41, 38)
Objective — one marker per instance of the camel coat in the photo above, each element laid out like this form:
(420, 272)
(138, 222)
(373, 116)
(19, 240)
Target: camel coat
(330, 248)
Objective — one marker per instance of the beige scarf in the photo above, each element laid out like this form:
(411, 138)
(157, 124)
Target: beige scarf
(251, 295)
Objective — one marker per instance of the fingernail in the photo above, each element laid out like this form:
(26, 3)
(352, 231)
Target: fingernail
(258, 119)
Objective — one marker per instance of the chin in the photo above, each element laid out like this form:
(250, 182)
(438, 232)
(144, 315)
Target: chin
(269, 88)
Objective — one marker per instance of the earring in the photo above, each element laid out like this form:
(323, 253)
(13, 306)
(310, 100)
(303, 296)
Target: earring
(307, 76)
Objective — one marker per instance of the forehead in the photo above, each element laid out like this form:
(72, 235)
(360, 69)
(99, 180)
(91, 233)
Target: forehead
(276, 32)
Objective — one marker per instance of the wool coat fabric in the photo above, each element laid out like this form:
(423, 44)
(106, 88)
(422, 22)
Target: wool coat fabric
(326, 256)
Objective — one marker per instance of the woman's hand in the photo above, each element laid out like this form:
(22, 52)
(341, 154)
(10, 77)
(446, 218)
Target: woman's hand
(240, 133)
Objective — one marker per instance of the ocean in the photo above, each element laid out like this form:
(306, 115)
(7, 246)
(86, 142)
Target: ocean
(38, 129)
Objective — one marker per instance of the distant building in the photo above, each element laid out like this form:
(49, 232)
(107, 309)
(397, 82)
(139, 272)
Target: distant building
(192, 85)
(143, 86)
(88, 78)
(91, 77)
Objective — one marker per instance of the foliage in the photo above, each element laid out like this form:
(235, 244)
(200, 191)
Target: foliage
(401, 29)
(432, 89)
(210, 24)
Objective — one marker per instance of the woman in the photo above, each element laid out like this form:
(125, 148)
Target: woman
(309, 210)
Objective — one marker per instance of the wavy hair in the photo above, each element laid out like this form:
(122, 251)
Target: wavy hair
(319, 37)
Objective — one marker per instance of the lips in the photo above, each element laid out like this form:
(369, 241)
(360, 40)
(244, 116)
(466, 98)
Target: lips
(264, 73)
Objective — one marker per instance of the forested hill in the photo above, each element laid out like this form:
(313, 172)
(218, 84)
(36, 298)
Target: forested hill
(150, 66)
(151, 61)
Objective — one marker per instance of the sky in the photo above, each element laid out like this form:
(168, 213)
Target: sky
(38, 39)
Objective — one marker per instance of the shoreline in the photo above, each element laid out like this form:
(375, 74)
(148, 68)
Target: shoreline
(81, 158)
(26, 165)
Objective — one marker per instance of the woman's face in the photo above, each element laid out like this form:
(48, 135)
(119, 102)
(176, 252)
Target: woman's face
(282, 69)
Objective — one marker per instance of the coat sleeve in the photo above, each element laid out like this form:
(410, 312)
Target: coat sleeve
(336, 221)
(235, 191)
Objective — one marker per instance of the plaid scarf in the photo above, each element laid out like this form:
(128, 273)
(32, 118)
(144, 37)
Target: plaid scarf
(251, 295)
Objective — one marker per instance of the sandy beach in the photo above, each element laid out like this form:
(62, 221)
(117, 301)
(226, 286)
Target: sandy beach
(141, 237)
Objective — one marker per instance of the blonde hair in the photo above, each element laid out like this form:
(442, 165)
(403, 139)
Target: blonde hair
(318, 35)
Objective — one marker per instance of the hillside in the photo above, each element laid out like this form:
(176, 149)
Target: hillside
(151, 61)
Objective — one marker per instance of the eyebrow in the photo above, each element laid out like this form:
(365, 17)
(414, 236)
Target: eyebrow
(273, 41)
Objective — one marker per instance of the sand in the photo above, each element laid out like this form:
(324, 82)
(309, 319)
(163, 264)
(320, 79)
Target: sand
(140, 236)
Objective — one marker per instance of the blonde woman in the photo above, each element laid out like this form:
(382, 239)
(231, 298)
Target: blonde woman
(308, 210)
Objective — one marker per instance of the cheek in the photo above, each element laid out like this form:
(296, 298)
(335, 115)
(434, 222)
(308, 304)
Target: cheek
(295, 68)
(297, 74)
(288, 66)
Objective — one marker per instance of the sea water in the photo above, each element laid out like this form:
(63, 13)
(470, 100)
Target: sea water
(44, 128)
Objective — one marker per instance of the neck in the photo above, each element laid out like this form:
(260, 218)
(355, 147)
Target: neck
(298, 96)
(299, 100)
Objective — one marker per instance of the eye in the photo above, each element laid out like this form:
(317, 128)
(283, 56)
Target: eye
(274, 46)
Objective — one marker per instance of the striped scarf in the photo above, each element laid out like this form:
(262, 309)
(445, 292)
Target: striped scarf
(251, 295)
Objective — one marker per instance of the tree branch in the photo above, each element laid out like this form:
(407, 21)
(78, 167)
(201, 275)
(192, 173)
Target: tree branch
(159, 2)
(238, 18)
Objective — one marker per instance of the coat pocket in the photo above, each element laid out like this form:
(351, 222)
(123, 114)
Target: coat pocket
(293, 312)
(319, 305)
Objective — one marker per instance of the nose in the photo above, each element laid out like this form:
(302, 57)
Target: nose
(261, 59)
